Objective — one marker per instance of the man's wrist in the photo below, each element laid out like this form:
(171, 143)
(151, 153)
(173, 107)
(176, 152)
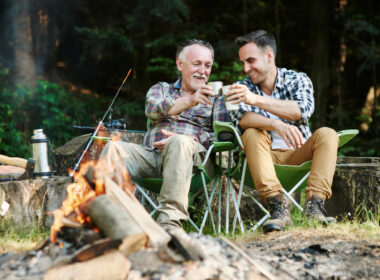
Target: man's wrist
(275, 124)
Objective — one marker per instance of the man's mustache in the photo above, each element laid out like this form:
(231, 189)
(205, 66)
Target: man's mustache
(200, 76)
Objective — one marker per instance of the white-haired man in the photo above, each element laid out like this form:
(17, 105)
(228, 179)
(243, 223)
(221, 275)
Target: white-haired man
(181, 116)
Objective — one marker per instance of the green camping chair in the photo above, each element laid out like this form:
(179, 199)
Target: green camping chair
(292, 177)
(199, 182)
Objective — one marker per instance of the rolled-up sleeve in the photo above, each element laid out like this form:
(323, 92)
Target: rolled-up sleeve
(244, 108)
(301, 91)
(158, 101)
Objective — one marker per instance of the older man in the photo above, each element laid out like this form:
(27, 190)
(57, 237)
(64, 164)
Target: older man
(276, 105)
(181, 116)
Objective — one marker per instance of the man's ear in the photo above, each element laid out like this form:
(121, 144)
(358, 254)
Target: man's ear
(179, 64)
(269, 55)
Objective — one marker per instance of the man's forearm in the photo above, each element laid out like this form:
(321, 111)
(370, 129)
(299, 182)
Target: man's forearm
(180, 105)
(285, 109)
(253, 120)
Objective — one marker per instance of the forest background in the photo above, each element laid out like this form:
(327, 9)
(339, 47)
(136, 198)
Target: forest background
(61, 62)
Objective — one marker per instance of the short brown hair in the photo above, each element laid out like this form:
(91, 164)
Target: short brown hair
(261, 38)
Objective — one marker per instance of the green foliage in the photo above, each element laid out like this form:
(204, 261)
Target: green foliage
(228, 73)
(164, 66)
(361, 146)
(55, 110)
(12, 139)
(107, 39)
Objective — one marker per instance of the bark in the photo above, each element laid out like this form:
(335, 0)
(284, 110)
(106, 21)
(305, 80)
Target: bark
(157, 235)
(24, 64)
(356, 182)
(30, 201)
(112, 220)
(67, 155)
(319, 74)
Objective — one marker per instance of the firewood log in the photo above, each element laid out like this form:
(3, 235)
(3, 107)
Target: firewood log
(111, 219)
(138, 213)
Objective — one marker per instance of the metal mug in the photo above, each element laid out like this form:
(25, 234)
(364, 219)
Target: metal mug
(216, 87)
(40, 149)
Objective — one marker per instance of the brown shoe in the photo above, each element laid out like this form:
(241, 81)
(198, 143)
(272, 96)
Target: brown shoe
(279, 212)
(315, 210)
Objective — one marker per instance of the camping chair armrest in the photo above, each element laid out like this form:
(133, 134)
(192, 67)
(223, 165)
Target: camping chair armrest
(208, 154)
(228, 127)
(346, 135)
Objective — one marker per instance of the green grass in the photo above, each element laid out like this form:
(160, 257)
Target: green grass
(13, 237)
(363, 224)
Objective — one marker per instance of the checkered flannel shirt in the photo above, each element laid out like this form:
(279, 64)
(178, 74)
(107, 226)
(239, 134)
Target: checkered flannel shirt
(290, 85)
(195, 121)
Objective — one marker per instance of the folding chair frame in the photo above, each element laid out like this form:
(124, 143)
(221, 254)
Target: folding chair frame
(344, 137)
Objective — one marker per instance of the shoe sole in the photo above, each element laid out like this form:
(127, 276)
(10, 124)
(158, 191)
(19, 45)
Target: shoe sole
(272, 227)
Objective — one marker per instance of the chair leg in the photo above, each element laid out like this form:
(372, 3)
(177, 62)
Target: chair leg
(220, 205)
(289, 194)
(263, 219)
(239, 198)
(220, 195)
(207, 209)
(259, 223)
(146, 196)
(236, 205)
(208, 202)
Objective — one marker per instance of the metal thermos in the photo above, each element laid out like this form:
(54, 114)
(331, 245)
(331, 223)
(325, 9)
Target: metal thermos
(40, 149)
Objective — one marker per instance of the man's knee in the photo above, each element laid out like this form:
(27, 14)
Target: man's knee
(327, 135)
(120, 148)
(254, 136)
(180, 141)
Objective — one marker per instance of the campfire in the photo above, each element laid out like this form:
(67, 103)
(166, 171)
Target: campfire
(103, 232)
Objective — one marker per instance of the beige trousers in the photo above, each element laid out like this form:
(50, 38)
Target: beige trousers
(321, 148)
(175, 164)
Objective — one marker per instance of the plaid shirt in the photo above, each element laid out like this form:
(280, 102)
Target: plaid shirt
(195, 121)
(290, 85)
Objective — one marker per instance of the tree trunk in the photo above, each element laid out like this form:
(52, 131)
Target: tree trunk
(20, 21)
(319, 74)
(31, 201)
(355, 185)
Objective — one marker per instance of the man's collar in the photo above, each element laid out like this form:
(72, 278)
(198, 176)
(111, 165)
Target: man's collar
(279, 79)
(177, 84)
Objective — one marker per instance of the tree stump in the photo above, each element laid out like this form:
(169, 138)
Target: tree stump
(30, 201)
(67, 155)
(356, 182)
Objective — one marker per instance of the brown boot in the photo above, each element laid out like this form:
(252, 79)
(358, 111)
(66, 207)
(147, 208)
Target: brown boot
(279, 212)
(315, 210)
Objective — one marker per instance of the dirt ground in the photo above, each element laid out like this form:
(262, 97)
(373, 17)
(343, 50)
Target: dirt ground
(317, 253)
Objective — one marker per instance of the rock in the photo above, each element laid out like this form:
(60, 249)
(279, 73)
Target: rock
(356, 181)
(30, 201)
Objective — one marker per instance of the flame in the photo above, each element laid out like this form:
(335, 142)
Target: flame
(79, 194)
(82, 192)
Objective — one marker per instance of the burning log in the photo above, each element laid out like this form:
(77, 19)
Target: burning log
(138, 213)
(112, 265)
(111, 218)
